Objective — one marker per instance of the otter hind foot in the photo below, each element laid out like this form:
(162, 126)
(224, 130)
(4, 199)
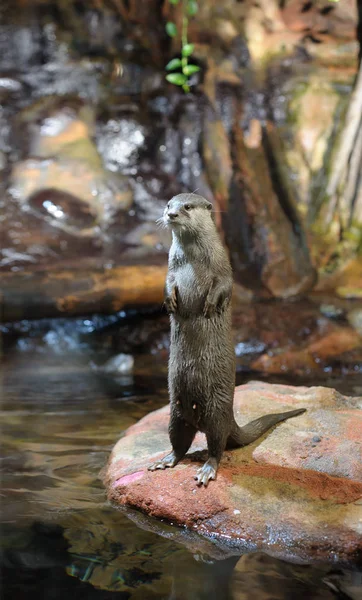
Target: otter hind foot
(206, 472)
(168, 461)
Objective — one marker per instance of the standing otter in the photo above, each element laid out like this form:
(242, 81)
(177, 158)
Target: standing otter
(201, 375)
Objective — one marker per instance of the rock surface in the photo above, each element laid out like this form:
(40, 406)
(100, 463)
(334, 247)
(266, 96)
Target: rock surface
(94, 142)
(296, 494)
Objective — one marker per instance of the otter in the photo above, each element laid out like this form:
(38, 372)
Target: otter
(202, 364)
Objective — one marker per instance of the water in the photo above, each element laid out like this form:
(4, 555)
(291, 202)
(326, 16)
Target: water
(60, 536)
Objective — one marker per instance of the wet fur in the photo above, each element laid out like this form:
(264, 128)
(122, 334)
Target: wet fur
(201, 375)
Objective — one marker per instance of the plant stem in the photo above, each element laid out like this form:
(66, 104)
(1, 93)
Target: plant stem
(185, 23)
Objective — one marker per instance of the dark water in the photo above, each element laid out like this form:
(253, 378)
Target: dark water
(60, 536)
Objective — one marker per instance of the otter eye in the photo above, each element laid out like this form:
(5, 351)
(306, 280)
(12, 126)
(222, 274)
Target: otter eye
(188, 207)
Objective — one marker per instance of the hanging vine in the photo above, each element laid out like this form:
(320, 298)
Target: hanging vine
(181, 68)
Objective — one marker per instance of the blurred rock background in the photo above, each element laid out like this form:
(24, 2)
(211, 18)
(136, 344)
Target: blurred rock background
(94, 141)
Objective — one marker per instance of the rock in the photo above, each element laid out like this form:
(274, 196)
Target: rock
(73, 292)
(121, 363)
(2, 161)
(216, 155)
(354, 317)
(183, 144)
(311, 106)
(280, 252)
(123, 138)
(319, 18)
(287, 495)
(312, 112)
(50, 124)
(84, 103)
(59, 132)
(347, 278)
(102, 194)
(152, 189)
(331, 311)
(349, 292)
(315, 343)
(326, 345)
(56, 204)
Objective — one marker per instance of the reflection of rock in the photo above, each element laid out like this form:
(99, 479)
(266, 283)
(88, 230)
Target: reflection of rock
(280, 495)
(259, 576)
(113, 553)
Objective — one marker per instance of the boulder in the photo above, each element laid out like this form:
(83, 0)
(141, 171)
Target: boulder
(329, 345)
(296, 494)
(61, 157)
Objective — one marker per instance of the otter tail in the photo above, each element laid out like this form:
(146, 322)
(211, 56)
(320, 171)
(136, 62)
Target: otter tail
(242, 436)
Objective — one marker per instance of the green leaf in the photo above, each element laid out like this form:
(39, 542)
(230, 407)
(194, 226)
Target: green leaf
(187, 49)
(176, 78)
(192, 8)
(190, 69)
(174, 1)
(175, 63)
(171, 29)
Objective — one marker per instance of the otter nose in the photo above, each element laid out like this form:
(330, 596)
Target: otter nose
(173, 215)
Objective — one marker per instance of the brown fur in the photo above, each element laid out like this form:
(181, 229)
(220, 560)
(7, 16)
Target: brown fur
(201, 374)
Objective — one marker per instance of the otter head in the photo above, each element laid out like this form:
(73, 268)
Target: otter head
(187, 213)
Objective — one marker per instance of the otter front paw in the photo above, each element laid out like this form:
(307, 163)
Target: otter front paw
(209, 309)
(168, 461)
(206, 472)
(171, 301)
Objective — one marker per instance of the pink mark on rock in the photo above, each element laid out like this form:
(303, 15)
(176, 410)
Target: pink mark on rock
(128, 479)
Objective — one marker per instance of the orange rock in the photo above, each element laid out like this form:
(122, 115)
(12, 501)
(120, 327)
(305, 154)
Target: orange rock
(42, 294)
(333, 342)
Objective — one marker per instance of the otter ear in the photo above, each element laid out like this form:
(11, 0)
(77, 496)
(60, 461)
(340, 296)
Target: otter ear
(209, 206)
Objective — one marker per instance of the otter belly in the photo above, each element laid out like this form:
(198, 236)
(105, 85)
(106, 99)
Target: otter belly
(202, 361)
(192, 286)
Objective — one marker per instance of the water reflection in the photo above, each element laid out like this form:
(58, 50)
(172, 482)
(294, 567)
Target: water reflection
(60, 418)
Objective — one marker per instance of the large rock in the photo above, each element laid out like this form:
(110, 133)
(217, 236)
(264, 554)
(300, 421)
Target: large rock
(321, 349)
(62, 156)
(296, 494)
